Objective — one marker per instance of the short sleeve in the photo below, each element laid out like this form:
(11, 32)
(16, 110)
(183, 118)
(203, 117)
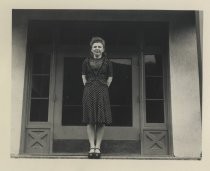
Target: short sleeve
(110, 69)
(84, 67)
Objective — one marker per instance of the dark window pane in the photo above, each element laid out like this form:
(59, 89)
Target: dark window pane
(80, 32)
(121, 87)
(40, 32)
(153, 65)
(154, 111)
(39, 110)
(121, 115)
(72, 85)
(72, 115)
(154, 88)
(155, 34)
(121, 92)
(41, 63)
(40, 86)
(72, 92)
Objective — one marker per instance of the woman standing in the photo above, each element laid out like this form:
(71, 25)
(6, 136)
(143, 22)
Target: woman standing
(97, 76)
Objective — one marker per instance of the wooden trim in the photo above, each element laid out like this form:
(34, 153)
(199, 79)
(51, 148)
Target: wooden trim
(38, 125)
(135, 93)
(168, 97)
(52, 95)
(25, 99)
(141, 87)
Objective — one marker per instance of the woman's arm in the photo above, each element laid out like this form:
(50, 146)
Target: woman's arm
(109, 81)
(110, 73)
(84, 79)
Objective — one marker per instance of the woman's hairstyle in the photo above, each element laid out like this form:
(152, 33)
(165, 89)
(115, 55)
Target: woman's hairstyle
(96, 40)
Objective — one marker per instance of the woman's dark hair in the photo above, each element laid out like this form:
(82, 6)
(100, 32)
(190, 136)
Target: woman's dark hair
(97, 40)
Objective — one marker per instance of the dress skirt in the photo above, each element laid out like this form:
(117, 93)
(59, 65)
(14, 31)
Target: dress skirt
(96, 104)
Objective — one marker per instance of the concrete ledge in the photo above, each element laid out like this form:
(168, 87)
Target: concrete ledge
(103, 157)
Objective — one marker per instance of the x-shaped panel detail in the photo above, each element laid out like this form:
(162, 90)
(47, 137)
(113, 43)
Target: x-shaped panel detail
(37, 137)
(155, 139)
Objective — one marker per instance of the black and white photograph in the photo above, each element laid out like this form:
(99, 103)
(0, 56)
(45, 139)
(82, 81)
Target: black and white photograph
(102, 84)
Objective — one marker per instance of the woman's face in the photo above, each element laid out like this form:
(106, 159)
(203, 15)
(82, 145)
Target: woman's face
(97, 49)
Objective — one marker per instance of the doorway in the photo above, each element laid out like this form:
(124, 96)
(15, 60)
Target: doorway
(124, 132)
(139, 93)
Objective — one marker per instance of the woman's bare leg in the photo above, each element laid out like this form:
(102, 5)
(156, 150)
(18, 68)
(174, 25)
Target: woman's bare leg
(91, 136)
(99, 135)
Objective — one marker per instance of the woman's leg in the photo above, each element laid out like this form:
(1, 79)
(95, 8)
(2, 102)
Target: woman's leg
(99, 135)
(91, 136)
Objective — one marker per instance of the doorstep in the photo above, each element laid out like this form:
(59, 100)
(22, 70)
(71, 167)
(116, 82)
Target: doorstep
(103, 157)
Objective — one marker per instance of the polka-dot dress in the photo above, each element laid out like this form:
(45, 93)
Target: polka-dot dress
(96, 103)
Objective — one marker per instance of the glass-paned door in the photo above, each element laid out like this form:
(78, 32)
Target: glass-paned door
(123, 98)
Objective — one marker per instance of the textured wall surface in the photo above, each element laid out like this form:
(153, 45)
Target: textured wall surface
(185, 98)
(19, 35)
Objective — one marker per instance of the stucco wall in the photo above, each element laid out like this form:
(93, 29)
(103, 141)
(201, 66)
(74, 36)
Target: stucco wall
(19, 35)
(185, 99)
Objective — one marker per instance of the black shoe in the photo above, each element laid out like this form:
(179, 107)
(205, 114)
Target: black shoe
(91, 155)
(98, 154)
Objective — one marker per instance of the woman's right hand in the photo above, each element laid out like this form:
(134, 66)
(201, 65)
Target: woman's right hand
(84, 79)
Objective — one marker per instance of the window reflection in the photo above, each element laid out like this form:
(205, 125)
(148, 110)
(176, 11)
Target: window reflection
(121, 61)
(153, 65)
